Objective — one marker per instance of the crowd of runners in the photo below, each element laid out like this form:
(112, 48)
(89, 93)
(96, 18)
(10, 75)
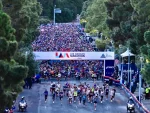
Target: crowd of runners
(61, 37)
(70, 37)
(66, 37)
(72, 69)
(80, 93)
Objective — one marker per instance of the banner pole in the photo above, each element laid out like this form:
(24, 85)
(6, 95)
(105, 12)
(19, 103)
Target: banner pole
(104, 68)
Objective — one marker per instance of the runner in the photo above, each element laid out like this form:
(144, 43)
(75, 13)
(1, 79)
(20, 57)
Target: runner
(84, 98)
(91, 96)
(95, 101)
(53, 96)
(112, 94)
(45, 94)
(80, 96)
(61, 96)
(75, 94)
(59, 76)
(70, 97)
(107, 91)
(102, 95)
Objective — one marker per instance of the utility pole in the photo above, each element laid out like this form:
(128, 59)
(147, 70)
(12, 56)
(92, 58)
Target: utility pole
(54, 5)
(140, 78)
(54, 14)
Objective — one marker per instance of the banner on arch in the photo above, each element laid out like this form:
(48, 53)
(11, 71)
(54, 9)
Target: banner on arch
(74, 55)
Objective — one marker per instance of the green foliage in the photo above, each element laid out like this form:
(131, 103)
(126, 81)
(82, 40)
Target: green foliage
(127, 22)
(145, 50)
(44, 20)
(70, 9)
(27, 15)
(12, 74)
(32, 65)
(0, 4)
(145, 72)
(14, 65)
(147, 36)
(101, 44)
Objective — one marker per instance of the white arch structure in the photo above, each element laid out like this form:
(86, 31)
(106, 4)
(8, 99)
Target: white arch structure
(58, 55)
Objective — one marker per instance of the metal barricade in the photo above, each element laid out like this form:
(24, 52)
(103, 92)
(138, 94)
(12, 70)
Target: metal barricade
(136, 102)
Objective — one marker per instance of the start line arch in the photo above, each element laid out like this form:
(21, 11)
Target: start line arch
(106, 57)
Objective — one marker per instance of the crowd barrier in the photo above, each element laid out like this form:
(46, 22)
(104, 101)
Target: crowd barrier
(115, 82)
(137, 103)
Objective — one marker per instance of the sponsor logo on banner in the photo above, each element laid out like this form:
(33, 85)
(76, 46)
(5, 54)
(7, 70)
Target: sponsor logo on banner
(67, 55)
(108, 56)
(103, 56)
(62, 55)
(110, 67)
(77, 54)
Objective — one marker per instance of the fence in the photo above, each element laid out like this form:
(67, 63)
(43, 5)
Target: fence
(137, 103)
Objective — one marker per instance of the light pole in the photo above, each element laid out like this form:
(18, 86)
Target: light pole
(129, 66)
(140, 78)
(131, 82)
(54, 13)
(121, 59)
(121, 72)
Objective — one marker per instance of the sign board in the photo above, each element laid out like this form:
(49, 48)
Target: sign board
(74, 55)
(132, 68)
(57, 10)
(109, 67)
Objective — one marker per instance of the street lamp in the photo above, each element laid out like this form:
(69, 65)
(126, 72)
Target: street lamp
(121, 78)
(140, 78)
(129, 66)
(54, 13)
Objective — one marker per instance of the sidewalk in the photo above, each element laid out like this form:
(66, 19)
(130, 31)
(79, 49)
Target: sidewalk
(146, 102)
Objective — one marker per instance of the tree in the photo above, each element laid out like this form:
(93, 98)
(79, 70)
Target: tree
(26, 16)
(101, 44)
(124, 21)
(119, 20)
(70, 9)
(12, 73)
(145, 50)
(86, 4)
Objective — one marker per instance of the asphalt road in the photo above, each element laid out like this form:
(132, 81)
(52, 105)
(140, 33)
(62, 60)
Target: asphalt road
(36, 103)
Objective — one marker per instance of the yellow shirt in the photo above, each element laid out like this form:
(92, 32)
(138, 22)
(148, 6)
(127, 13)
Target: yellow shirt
(75, 93)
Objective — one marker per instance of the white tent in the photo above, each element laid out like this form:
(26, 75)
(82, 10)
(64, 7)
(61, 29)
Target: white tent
(127, 53)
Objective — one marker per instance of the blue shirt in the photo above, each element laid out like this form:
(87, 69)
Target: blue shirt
(84, 97)
(46, 92)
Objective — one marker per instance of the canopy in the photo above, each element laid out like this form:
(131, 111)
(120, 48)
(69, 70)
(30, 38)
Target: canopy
(127, 53)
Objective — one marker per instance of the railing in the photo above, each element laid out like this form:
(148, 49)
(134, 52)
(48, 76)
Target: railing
(137, 103)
